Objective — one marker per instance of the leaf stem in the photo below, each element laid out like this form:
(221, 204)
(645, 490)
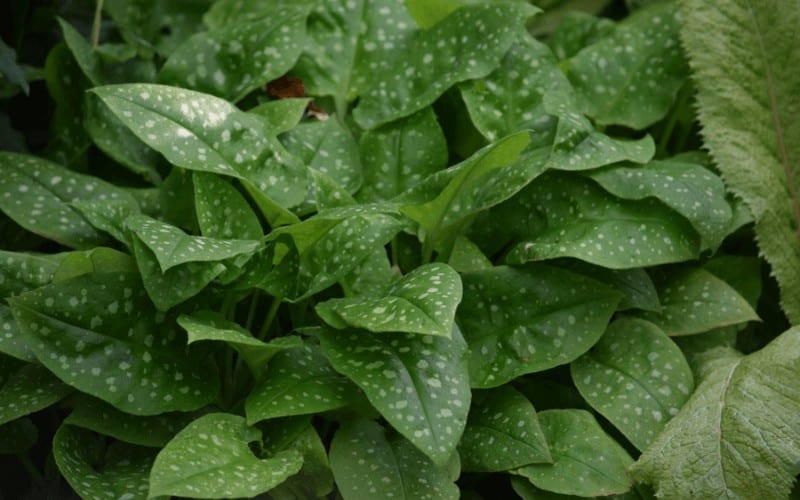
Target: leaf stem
(273, 311)
(98, 19)
(32, 470)
(251, 311)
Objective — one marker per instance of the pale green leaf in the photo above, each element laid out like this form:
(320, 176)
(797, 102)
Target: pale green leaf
(368, 463)
(529, 319)
(696, 301)
(423, 301)
(586, 461)
(748, 113)
(737, 436)
(636, 377)
(202, 459)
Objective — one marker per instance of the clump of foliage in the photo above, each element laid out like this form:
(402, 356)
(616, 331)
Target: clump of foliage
(479, 263)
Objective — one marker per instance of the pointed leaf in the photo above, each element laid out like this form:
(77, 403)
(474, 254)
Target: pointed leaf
(423, 301)
(737, 436)
(232, 61)
(696, 301)
(29, 389)
(222, 212)
(529, 319)
(583, 221)
(281, 115)
(577, 30)
(36, 194)
(201, 132)
(689, 189)
(631, 76)
(112, 345)
(119, 471)
(586, 461)
(636, 377)
(202, 459)
(399, 155)
(369, 464)
(748, 116)
(419, 384)
(453, 50)
(635, 285)
(502, 433)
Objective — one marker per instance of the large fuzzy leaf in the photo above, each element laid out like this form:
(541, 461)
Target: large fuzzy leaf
(738, 436)
(749, 117)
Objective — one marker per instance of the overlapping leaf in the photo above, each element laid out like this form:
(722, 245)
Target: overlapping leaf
(200, 461)
(452, 51)
(586, 461)
(738, 435)
(581, 220)
(528, 319)
(29, 389)
(423, 301)
(112, 344)
(636, 377)
(232, 61)
(222, 212)
(419, 384)
(502, 433)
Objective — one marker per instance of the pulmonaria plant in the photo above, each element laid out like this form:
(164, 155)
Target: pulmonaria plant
(500, 265)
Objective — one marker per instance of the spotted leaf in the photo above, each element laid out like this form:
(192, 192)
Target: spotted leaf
(369, 462)
(529, 319)
(29, 389)
(579, 219)
(502, 433)
(299, 381)
(201, 132)
(112, 344)
(452, 51)
(232, 61)
(690, 189)
(696, 301)
(94, 471)
(423, 301)
(419, 384)
(631, 76)
(222, 211)
(36, 194)
(586, 461)
(636, 377)
(200, 460)
(283, 114)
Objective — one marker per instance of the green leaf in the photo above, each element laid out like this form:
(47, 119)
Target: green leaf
(696, 301)
(327, 193)
(423, 301)
(577, 30)
(222, 211)
(283, 114)
(202, 459)
(108, 216)
(328, 147)
(583, 221)
(372, 276)
(466, 256)
(743, 273)
(96, 260)
(231, 62)
(631, 76)
(510, 98)
(740, 425)
(37, 194)
(502, 433)
(200, 132)
(397, 156)
(96, 415)
(419, 384)
(452, 51)
(209, 325)
(350, 44)
(173, 247)
(93, 471)
(529, 319)
(299, 381)
(100, 334)
(688, 188)
(586, 461)
(747, 112)
(10, 70)
(635, 285)
(636, 377)
(28, 390)
(369, 464)
(18, 436)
